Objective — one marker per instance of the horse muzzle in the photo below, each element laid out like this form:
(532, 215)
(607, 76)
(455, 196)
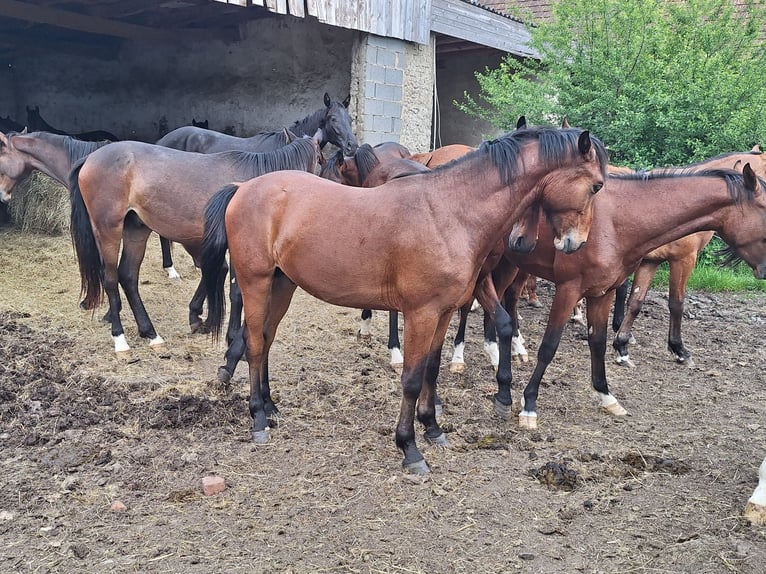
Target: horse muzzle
(5, 197)
(520, 245)
(568, 244)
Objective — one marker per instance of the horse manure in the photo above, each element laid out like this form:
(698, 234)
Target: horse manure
(556, 476)
(652, 463)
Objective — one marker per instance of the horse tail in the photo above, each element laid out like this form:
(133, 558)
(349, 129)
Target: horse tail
(213, 259)
(88, 255)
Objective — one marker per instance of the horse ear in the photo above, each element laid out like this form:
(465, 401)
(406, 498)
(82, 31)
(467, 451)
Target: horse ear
(565, 123)
(318, 136)
(24, 131)
(756, 149)
(290, 136)
(751, 181)
(347, 101)
(583, 142)
(327, 100)
(521, 123)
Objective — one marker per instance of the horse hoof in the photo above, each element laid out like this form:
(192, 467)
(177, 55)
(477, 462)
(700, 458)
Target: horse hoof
(224, 376)
(536, 304)
(755, 513)
(261, 437)
(615, 409)
(363, 336)
(457, 368)
(624, 361)
(501, 410)
(440, 440)
(688, 361)
(527, 421)
(419, 467)
(124, 355)
(195, 328)
(520, 358)
(398, 367)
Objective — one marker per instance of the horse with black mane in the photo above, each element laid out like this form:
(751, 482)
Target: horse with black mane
(333, 119)
(123, 191)
(422, 256)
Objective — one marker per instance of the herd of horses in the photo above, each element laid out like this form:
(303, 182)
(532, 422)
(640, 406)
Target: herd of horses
(422, 235)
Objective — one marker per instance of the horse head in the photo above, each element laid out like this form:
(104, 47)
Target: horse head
(12, 166)
(744, 230)
(336, 125)
(524, 233)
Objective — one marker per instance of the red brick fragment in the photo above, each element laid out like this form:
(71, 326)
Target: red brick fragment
(213, 485)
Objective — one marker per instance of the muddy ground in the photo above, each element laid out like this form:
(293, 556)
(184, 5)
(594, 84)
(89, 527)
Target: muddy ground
(660, 490)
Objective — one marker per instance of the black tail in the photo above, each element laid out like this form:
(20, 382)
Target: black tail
(88, 255)
(214, 246)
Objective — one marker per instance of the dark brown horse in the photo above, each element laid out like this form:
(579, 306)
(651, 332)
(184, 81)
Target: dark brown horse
(35, 123)
(415, 244)
(665, 205)
(333, 119)
(127, 189)
(681, 256)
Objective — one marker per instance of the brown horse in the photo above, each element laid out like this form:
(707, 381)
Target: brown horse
(665, 205)
(415, 244)
(333, 120)
(125, 190)
(442, 155)
(681, 256)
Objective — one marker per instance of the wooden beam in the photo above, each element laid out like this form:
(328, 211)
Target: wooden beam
(93, 24)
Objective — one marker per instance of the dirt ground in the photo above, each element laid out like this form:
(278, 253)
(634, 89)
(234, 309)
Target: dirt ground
(660, 490)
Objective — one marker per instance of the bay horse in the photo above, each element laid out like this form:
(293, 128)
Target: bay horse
(368, 167)
(333, 120)
(681, 256)
(123, 191)
(35, 123)
(414, 244)
(442, 155)
(665, 205)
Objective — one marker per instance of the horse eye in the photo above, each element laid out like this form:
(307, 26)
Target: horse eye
(596, 188)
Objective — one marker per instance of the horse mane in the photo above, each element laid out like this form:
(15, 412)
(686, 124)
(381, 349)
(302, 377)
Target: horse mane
(292, 156)
(310, 124)
(366, 161)
(74, 148)
(555, 146)
(331, 169)
(735, 181)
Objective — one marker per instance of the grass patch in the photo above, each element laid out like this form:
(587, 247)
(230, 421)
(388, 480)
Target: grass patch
(715, 279)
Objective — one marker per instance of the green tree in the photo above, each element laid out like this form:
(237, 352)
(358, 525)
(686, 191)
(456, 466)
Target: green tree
(660, 82)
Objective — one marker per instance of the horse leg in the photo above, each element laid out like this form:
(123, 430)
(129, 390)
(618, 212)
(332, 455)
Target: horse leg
(109, 247)
(561, 307)
(620, 297)
(680, 271)
(457, 364)
(642, 279)
(428, 405)
(394, 345)
(531, 287)
(365, 331)
(578, 316)
(598, 319)
(421, 327)
(282, 290)
(511, 303)
(135, 237)
(167, 259)
(235, 303)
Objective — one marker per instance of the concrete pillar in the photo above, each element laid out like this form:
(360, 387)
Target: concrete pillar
(393, 85)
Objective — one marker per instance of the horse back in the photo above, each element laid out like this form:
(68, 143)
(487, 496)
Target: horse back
(201, 140)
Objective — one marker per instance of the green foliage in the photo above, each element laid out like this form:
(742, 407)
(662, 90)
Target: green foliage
(661, 83)
(715, 279)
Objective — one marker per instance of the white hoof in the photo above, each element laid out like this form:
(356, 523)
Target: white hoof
(624, 361)
(527, 420)
(611, 406)
(520, 358)
(172, 273)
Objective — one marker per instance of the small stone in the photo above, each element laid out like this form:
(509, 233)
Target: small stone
(213, 485)
(6, 515)
(118, 506)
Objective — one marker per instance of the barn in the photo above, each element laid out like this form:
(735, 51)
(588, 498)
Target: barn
(138, 69)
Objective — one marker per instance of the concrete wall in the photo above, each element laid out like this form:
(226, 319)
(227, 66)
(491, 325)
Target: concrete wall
(278, 75)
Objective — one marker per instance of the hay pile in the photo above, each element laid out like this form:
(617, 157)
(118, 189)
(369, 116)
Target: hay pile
(40, 203)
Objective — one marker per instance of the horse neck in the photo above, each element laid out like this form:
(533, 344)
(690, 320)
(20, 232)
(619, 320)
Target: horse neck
(471, 194)
(671, 208)
(309, 125)
(50, 156)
